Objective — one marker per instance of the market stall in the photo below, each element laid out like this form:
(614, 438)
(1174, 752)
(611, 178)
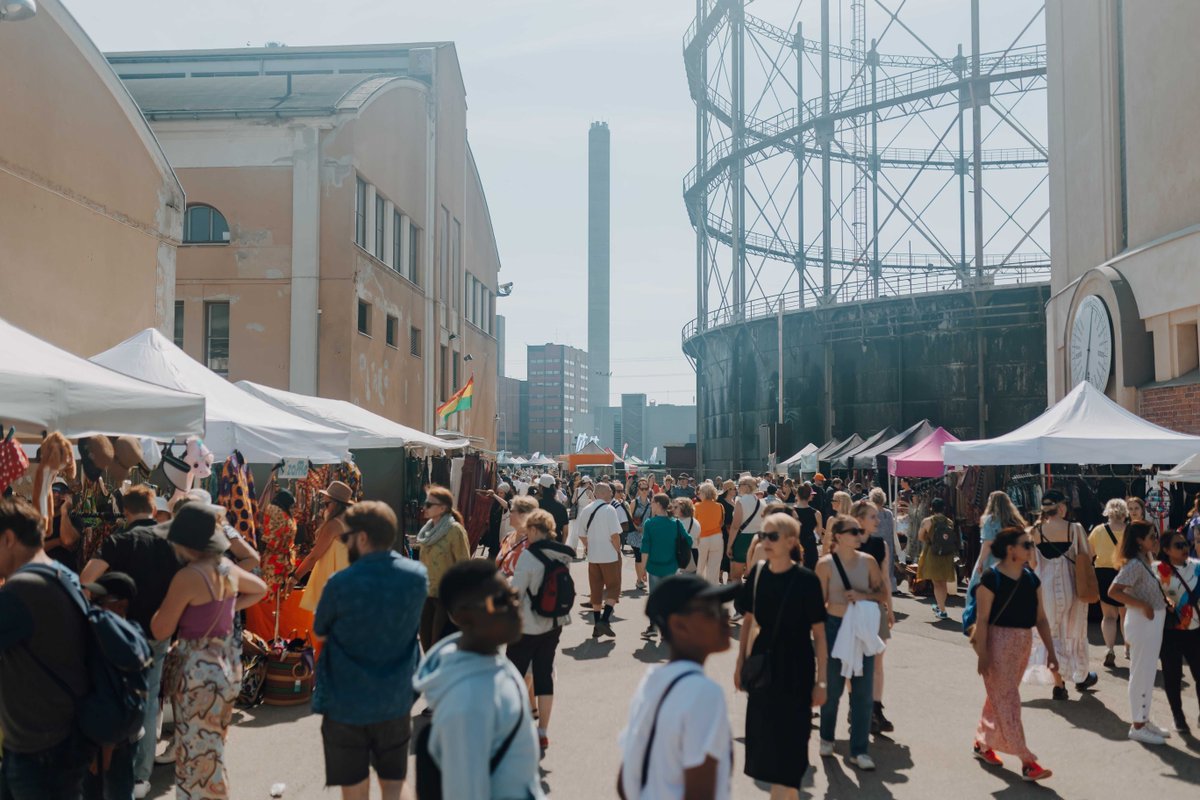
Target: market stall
(804, 461)
(922, 460)
(844, 461)
(875, 457)
(846, 445)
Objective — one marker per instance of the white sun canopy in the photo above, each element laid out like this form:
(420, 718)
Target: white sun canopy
(1186, 471)
(367, 430)
(1085, 427)
(234, 419)
(808, 450)
(44, 388)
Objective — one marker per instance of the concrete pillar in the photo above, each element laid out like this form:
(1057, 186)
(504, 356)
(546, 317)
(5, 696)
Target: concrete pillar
(389, 233)
(303, 367)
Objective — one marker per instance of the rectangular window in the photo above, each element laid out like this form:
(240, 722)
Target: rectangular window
(397, 227)
(360, 213)
(364, 318)
(178, 339)
(414, 342)
(216, 337)
(443, 289)
(469, 286)
(414, 250)
(443, 374)
(454, 382)
(380, 225)
(392, 323)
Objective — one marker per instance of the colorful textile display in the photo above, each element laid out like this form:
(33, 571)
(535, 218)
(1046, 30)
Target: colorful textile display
(277, 545)
(236, 493)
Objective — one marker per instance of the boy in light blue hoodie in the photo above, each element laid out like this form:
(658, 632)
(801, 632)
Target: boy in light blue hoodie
(482, 736)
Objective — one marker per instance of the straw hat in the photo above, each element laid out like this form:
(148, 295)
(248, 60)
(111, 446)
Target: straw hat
(340, 492)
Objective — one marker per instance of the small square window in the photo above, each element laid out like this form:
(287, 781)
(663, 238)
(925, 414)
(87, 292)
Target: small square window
(414, 342)
(391, 330)
(364, 318)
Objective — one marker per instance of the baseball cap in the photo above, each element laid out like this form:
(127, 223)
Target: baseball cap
(818, 477)
(674, 593)
(546, 480)
(117, 585)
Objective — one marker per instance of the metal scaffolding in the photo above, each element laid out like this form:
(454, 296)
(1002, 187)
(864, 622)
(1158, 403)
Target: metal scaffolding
(821, 161)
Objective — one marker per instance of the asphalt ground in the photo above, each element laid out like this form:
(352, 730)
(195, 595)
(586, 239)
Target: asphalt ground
(932, 694)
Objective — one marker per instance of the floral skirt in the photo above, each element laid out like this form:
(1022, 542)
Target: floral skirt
(1000, 726)
(210, 679)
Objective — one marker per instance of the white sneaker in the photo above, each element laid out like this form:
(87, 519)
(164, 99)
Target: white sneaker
(1145, 735)
(166, 756)
(825, 749)
(1163, 732)
(863, 762)
(141, 789)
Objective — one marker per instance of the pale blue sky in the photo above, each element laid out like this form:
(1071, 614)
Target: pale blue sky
(537, 73)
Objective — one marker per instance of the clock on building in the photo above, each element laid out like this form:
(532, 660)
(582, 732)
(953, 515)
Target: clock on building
(1091, 343)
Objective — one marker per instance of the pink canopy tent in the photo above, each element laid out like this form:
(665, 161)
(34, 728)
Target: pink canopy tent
(923, 459)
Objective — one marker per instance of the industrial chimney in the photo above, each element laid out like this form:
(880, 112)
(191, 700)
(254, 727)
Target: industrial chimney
(599, 281)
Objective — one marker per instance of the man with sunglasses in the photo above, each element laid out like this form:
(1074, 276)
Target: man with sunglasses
(368, 618)
(678, 742)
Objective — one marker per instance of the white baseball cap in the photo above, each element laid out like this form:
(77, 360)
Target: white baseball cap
(546, 480)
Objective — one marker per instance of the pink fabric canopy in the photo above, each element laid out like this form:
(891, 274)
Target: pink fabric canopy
(923, 459)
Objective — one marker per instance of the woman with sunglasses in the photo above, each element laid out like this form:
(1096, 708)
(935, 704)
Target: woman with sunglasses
(1180, 578)
(1008, 599)
(784, 609)
(1105, 539)
(443, 543)
(1058, 543)
(848, 576)
(1137, 586)
(329, 554)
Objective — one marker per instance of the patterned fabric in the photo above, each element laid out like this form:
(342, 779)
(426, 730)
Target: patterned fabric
(236, 493)
(443, 554)
(1158, 507)
(511, 549)
(204, 702)
(1000, 726)
(1068, 621)
(13, 462)
(278, 547)
(1179, 593)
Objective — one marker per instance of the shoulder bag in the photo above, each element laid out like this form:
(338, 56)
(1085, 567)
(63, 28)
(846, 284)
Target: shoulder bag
(756, 669)
(1087, 586)
(746, 522)
(654, 727)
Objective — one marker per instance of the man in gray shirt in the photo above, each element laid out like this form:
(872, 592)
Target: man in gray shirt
(44, 755)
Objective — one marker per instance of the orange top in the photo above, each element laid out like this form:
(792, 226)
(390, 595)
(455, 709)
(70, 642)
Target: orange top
(711, 516)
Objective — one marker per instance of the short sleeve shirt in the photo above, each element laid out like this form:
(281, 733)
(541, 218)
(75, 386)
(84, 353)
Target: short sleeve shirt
(1103, 545)
(599, 529)
(1141, 583)
(1182, 592)
(693, 725)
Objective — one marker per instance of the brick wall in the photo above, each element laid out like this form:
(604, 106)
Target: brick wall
(1174, 407)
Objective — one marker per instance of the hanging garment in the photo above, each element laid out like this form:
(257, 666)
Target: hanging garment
(236, 493)
(278, 547)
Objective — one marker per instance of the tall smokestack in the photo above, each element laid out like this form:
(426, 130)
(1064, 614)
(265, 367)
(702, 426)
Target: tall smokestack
(599, 279)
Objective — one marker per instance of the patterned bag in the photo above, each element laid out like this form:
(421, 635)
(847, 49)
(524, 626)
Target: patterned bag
(13, 461)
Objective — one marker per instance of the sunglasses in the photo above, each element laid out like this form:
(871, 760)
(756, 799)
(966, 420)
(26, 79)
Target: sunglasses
(429, 504)
(855, 531)
(501, 601)
(770, 536)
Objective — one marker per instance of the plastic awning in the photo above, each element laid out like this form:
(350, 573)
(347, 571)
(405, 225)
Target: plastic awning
(45, 388)
(808, 450)
(845, 459)
(844, 447)
(234, 419)
(1186, 471)
(1085, 427)
(367, 430)
(922, 460)
(875, 457)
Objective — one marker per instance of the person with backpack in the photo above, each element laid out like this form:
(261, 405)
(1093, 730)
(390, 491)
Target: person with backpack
(205, 677)
(662, 536)
(936, 565)
(42, 666)
(601, 534)
(678, 742)
(364, 676)
(480, 743)
(542, 576)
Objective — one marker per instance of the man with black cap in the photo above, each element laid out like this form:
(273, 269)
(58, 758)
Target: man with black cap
(141, 552)
(678, 742)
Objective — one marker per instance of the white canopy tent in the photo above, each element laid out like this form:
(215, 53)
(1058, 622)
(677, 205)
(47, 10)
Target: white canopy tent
(367, 430)
(45, 388)
(808, 450)
(1085, 427)
(1186, 471)
(234, 419)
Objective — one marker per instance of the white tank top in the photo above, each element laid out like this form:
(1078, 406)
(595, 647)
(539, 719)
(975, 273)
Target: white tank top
(748, 503)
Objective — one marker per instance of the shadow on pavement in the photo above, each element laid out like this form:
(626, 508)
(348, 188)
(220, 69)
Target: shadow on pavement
(263, 716)
(652, 652)
(590, 649)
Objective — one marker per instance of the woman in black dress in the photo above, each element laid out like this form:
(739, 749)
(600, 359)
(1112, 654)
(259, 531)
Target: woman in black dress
(812, 527)
(784, 602)
(728, 494)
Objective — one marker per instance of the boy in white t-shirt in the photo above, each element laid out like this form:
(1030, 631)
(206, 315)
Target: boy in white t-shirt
(678, 742)
(601, 534)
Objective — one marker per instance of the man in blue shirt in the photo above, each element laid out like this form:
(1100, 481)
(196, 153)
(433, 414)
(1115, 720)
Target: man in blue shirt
(368, 619)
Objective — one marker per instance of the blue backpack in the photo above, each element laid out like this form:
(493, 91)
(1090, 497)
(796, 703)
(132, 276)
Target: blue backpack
(118, 660)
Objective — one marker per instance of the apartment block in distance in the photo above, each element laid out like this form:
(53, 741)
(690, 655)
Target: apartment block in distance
(558, 397)
(337, 241)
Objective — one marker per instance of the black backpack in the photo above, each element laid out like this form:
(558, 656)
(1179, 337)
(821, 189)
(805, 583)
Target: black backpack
(683, 546)
(943, 536)
(118, 660)
(555, 597)
(429, 774)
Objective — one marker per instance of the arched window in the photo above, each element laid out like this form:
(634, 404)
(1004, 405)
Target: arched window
(204, 225)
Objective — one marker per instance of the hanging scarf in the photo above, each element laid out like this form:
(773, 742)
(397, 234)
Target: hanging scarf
(432, 531)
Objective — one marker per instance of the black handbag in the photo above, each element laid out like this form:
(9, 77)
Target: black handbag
(756, 669)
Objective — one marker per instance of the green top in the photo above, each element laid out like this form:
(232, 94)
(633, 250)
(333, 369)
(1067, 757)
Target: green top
(658, 545)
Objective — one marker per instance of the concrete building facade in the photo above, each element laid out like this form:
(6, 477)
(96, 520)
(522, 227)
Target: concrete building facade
(558, 376)
(91, 212)
(1124, 108)
(337, 239)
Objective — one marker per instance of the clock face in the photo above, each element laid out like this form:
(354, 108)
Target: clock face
(1091, 343)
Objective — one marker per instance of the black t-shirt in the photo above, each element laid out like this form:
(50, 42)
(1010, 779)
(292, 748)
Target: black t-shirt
(147, 558)
(875, 547)
(556, 510)
(67, 556)
(1021, 610)
(808, 523)
(792, 650)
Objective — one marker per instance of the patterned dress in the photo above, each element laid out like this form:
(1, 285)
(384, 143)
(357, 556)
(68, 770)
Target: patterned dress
(1064, 610)
(278, 548)
(236, 493)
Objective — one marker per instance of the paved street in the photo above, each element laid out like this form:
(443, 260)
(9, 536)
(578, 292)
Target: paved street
(933, 695)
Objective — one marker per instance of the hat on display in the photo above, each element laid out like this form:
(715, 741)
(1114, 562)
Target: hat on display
(127, 452)
(96, 455)
(672, 595)
(178, 473)
(339, 492)
(197, 526)
(115, 585)
(198, 457)
(546, 481)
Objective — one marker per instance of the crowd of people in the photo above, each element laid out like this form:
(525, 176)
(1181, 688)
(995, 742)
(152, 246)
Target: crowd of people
(811, 570)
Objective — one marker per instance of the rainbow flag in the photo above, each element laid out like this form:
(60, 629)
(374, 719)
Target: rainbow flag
(461, 400)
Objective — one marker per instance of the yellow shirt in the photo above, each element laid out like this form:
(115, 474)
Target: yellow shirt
(1103, 547)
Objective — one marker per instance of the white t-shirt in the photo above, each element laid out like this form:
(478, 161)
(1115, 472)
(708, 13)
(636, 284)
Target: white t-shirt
(748, 503)
(599, 533)
(693, 530)
(693, 724)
